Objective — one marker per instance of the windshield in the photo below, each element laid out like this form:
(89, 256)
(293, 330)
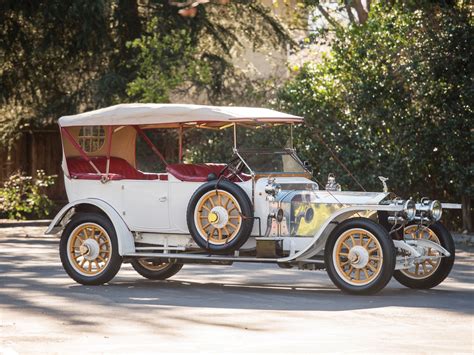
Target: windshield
(272, 161)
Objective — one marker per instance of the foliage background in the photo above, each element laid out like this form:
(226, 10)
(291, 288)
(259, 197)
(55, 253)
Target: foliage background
(392, 95)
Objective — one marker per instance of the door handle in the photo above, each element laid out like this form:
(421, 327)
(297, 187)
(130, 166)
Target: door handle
(162, 199)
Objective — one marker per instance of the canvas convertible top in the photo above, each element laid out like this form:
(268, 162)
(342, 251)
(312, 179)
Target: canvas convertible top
(175, 115)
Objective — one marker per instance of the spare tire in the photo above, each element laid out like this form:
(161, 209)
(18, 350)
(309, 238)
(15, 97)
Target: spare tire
(220, 216)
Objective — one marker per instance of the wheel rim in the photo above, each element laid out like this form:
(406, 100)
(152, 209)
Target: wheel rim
(426, 268)
(218, 217)
(357, 257)
(152, 265)
(89, 249)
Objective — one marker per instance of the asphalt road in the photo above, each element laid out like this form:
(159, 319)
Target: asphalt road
(220, 309)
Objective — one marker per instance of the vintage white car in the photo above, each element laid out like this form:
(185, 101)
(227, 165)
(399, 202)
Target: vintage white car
(263, 206)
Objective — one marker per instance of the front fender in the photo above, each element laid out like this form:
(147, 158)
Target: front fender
(319, 240)
(125, 239)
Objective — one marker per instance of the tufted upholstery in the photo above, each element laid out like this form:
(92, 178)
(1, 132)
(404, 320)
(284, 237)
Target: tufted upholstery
(79, 168)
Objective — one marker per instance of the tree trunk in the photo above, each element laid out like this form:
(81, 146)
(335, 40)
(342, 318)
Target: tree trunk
(129, 24)
(466, 213)
(362, 12)
(349, 10)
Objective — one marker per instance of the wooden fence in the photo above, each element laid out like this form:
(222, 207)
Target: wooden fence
(33, 151)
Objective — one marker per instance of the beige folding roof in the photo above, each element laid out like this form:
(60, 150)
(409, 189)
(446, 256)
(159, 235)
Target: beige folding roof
(174, 115)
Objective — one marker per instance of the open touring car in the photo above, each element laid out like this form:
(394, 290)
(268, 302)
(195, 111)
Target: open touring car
(261, 206)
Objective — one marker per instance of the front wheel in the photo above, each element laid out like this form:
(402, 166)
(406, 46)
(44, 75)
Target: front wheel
(89, 249)
(430, 272)
(155, 270)
(360, 256)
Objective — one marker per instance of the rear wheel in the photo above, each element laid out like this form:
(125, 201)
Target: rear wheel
(360, 256)
(155, 270)
(89, 249)
(428, 273)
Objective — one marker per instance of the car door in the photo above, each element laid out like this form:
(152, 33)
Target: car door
(145, 205)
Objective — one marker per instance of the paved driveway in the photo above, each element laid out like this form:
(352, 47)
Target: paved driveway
(219, 309)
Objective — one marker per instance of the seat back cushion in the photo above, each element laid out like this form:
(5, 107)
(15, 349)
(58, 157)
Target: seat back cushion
(197, 172)
(119, 168)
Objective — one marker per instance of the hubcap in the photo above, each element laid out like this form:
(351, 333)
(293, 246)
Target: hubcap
(359, 256)
(221, 217)
(91, 247)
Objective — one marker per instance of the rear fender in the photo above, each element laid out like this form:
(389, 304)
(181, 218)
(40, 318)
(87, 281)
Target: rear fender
(125, 239)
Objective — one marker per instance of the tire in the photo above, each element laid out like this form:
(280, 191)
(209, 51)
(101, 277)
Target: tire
(372, 251)
(155, 271)
(436, 273)
(220, 217)
(90, 239)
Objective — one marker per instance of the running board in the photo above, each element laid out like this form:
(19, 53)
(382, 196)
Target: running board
(211, 258)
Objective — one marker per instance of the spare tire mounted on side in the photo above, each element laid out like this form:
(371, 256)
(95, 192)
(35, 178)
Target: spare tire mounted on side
(220, 216)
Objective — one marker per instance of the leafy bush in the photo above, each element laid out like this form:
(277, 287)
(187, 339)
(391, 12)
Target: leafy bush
(24, 196)
(393, 97)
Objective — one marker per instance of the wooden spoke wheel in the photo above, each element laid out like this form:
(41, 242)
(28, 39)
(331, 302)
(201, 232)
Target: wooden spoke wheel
(89, 249)
(427, 267)
(220, 216)
(358, 256)
(154, 269)
(430, 272)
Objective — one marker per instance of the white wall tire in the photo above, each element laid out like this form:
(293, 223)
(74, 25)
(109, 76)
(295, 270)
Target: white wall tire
(220, 216)
(360, 256)
(89, 249)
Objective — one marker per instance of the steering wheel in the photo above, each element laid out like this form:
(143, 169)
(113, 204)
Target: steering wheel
(232, 169)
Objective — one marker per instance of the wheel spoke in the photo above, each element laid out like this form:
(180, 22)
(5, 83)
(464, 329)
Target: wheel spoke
(371, 267)
(211, 232)
(425, 270)
(353, 240)
(345, 263)
(211, 201)
(229, 234)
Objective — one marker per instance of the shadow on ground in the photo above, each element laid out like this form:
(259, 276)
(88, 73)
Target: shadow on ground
(32, 279)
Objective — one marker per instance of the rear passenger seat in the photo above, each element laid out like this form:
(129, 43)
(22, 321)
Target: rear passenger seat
(79, 168)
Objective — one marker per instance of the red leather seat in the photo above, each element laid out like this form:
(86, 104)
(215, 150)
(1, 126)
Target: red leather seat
(198, 172)
(193, 172)
(79, 168)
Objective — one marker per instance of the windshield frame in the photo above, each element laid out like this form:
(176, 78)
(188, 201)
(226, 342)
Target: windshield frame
(287, 151)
